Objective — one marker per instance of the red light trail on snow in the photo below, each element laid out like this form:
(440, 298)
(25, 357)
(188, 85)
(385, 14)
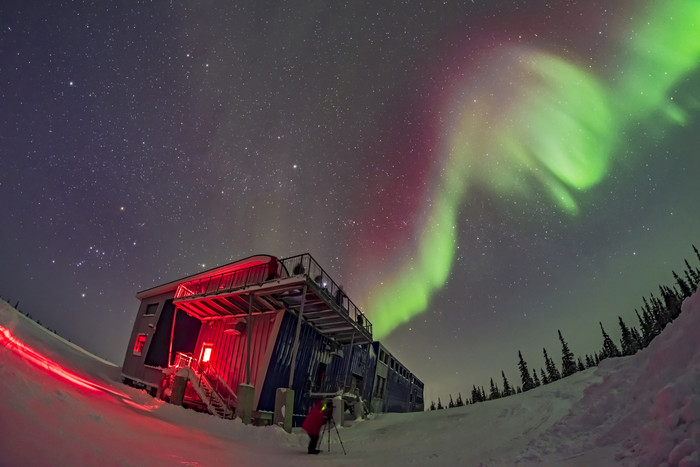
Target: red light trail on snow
(26, 352)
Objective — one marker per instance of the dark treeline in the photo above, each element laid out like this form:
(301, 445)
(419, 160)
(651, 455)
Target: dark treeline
(656, 312)
(16, 307)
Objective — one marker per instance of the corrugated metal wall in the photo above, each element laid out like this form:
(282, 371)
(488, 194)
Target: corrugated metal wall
(230, 349)
(312, 348)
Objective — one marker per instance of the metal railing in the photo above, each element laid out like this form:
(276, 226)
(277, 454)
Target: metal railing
(300, 265)
(209, 378)
(225, 281)
(305, 264)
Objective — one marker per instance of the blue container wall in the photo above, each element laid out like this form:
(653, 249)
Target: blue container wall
(370, 371)
(312, 348)
(398, 390)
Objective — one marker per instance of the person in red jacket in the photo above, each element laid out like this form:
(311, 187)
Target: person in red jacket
(314, 422)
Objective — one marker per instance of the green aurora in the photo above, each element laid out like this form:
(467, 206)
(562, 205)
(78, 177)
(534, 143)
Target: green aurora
(558, 131)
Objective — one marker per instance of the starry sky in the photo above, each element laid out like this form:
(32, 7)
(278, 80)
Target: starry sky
(475, 174)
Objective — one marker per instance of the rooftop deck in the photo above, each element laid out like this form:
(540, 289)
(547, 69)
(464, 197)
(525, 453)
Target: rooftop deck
(297, 282)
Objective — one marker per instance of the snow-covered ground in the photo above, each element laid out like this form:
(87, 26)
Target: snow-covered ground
(63, 406)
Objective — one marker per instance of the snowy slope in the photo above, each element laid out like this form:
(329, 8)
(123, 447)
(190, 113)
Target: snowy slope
(639, 410)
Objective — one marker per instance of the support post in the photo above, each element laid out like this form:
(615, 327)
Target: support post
(347, 368)
(248, 332)
(172, 336)
(295, 348)
(284, 408)
(246, 391)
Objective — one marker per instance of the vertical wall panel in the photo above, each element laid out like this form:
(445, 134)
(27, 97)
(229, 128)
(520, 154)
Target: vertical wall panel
(230, 349)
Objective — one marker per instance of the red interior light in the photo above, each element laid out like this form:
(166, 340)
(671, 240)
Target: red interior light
(206, 353)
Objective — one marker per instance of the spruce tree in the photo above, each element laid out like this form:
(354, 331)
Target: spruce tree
(507, 389)
(637, 338)
(579, 365)
(535, 379)
(671, 301)
(647, 332)
(494, 394)
(439, 406)
(568, 364)
(483, 394)
(545, 380)
(659, 312)
(589, 361)
(552, 371)
(525, 378)
(460, 402)
(685, 288)
(696, 252)
(627, 341)
(452, 403)
(692, 276)
(476, 395)
(432, 405)
(609, 347)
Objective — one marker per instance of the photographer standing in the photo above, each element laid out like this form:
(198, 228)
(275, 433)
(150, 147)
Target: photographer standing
(314, 422)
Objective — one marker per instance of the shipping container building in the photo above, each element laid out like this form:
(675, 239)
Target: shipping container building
(235, 339)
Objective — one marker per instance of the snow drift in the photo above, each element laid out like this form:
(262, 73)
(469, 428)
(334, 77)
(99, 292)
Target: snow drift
(638, 410)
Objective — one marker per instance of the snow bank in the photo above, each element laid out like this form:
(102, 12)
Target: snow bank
(646, 408)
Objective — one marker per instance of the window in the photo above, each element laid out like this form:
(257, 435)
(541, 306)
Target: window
(140, 343)
(205, 354)
(151, 309)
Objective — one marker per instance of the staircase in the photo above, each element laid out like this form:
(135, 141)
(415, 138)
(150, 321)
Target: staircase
(213, 391)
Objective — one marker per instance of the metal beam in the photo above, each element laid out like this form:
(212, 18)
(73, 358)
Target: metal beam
(295, 347)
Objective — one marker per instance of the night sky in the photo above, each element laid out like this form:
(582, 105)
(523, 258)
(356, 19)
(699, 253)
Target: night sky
(475, 174)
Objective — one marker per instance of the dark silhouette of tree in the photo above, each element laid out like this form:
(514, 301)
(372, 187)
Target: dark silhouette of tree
(589, 361)
(460, 402)
(494, 394)
(432, 405)
(452, 403)
(476, 395)
(637, 338)
(683, 285)
(672, 302)
(568, 364)
(507, 389)
(692, 275)
(627, 341)
(653, 315)
(535, 379)
(545, 380)
(525, 378)
(696, 252)
(609, 347)
(579, 365)
(647, 328)
(439, 406)
(483, 394)
(552, 371)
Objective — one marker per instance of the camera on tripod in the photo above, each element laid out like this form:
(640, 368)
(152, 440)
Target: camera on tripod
(328, 414)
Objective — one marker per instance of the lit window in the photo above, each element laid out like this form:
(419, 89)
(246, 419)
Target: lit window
(206, 353)
(140, 343)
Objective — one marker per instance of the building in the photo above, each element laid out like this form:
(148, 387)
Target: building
(251, 337)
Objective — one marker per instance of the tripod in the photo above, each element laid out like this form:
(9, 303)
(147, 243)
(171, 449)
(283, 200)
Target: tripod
(327, 428)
